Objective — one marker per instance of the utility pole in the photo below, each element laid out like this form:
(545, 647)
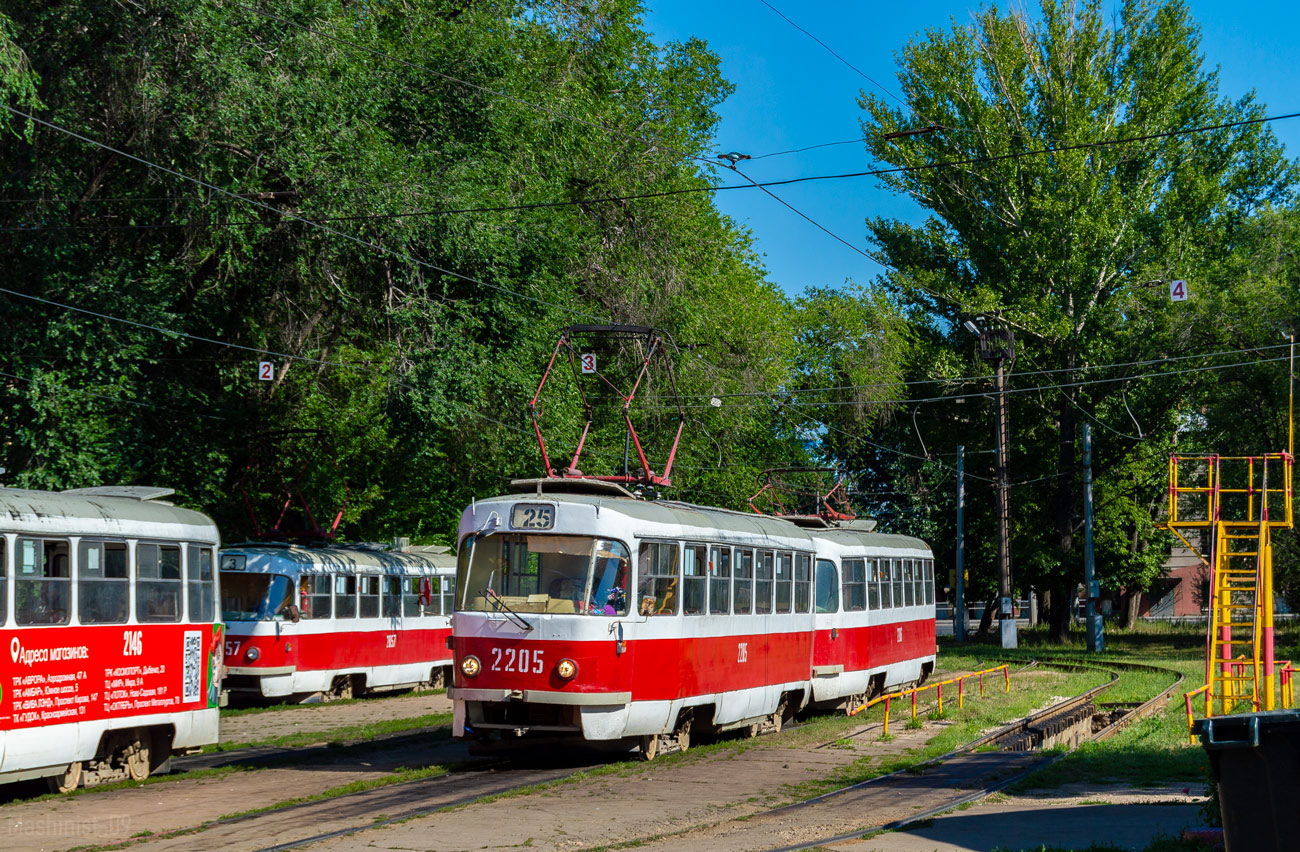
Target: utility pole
(998, 344)
(1095, 642)
(959, 605)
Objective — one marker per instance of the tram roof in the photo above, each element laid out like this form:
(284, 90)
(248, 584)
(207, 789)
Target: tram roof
(117, 511)
(324, 558)
(849, 537)
(672, 512)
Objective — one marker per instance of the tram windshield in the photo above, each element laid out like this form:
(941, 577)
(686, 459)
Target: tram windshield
(561, 574)
(255, 597)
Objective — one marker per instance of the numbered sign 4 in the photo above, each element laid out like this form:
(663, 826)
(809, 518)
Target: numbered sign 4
(265, 371)
(1178, 291)
(587, 360)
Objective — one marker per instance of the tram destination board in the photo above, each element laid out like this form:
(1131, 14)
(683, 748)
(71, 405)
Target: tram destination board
(532, 516)
(79, 674)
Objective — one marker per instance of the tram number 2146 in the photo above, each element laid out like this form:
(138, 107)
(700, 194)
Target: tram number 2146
(519, 660)
(132, 643)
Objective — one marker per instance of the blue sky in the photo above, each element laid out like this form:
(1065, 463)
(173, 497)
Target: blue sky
(791, 93)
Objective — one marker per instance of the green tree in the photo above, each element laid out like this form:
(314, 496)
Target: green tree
(1059, 242)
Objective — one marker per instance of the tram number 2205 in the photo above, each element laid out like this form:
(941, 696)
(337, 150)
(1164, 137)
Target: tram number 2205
(519, 660)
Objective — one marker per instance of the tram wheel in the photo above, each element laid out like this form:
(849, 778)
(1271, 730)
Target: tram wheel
(68, 781)
(136, 759)
(650, 747)
(684, 735)
(340, 690)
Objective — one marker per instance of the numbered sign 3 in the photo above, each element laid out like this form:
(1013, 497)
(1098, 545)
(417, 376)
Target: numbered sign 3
(588, 362)
(1178, 291)
(265, 371)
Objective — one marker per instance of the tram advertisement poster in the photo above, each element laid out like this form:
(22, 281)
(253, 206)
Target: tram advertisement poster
(59, 675)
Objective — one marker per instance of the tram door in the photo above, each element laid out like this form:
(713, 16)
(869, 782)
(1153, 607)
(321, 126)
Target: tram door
(831, 645)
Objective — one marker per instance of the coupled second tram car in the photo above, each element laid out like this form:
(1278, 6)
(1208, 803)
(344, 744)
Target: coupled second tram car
(339, 620)
(610, 618)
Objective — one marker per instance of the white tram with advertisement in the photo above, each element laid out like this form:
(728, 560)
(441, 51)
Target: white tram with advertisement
(108, 621)
(340, 620)
(582, 611)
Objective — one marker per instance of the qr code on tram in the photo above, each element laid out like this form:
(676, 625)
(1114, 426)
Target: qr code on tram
(192, 688)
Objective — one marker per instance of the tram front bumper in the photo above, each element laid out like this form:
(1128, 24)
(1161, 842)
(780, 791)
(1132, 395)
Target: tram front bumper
(526, 711)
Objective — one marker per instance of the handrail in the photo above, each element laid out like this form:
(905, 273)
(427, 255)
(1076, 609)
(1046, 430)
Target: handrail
(1285, 684)
(1005, 668)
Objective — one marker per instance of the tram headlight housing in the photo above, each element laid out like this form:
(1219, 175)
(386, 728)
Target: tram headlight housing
(470, 666)
(566, 669)
(253, 653)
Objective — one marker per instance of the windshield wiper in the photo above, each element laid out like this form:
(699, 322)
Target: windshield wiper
(501, 606)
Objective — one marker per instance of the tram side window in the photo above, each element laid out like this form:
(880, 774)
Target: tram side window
(157, 583)
(918, 580)
(448, 596)
(929, 582)
(909, 587)
(201, 588)
(720, 581)
(784, 581)
(657, 583)
(368, 587)
(872, 582)
(42, 582)
(828, 591)
(103, 585)
(418, 589)
(898, 582)
(694, 577)
(744, 587)
(855, 598)
(314, 596)
(764, 570)
(345, 596)
(886, 589)
(802, 582)
(392, 595)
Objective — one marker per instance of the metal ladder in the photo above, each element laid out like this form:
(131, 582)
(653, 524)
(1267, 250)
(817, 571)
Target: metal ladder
(1239, 660)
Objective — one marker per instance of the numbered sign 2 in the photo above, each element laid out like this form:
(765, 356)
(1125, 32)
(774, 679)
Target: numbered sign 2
(1178, 291)
(588, 362)
(265, 371)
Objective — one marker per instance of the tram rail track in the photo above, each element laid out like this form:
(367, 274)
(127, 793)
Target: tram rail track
(1020, 764)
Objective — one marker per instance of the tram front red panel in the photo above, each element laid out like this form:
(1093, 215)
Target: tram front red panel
(57, 675)
(649, 669)
(339, 649)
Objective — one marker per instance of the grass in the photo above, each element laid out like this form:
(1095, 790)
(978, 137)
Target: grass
(347, 733)
(235, 712)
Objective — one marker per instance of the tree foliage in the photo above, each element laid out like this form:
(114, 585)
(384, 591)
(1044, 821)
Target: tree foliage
(1074, 160)
(411, 321)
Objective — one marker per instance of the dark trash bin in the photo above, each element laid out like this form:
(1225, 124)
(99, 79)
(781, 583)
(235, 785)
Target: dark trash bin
(1255, 759)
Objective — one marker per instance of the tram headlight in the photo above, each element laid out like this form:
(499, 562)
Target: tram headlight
(252, 654)
(470, 666)
(566, 669)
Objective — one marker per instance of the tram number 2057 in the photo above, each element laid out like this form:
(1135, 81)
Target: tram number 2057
(517, 660)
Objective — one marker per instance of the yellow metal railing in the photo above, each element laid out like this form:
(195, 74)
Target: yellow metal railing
(1286, 675)
(938, 687)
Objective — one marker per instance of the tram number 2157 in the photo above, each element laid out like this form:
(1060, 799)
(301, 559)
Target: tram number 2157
(519, 660)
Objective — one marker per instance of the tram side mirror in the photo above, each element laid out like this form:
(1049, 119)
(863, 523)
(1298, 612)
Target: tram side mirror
(295, 614)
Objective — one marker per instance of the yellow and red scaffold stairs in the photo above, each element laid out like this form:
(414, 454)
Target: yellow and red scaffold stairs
(1237, 502)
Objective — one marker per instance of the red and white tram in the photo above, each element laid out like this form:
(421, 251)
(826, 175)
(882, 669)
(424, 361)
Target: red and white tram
(108, 621)
(340, 620)
(611, 618)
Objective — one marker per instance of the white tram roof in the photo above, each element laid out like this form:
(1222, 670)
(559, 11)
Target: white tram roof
(642, 518)
(266, 558)
(109, 511)
(851, 542)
